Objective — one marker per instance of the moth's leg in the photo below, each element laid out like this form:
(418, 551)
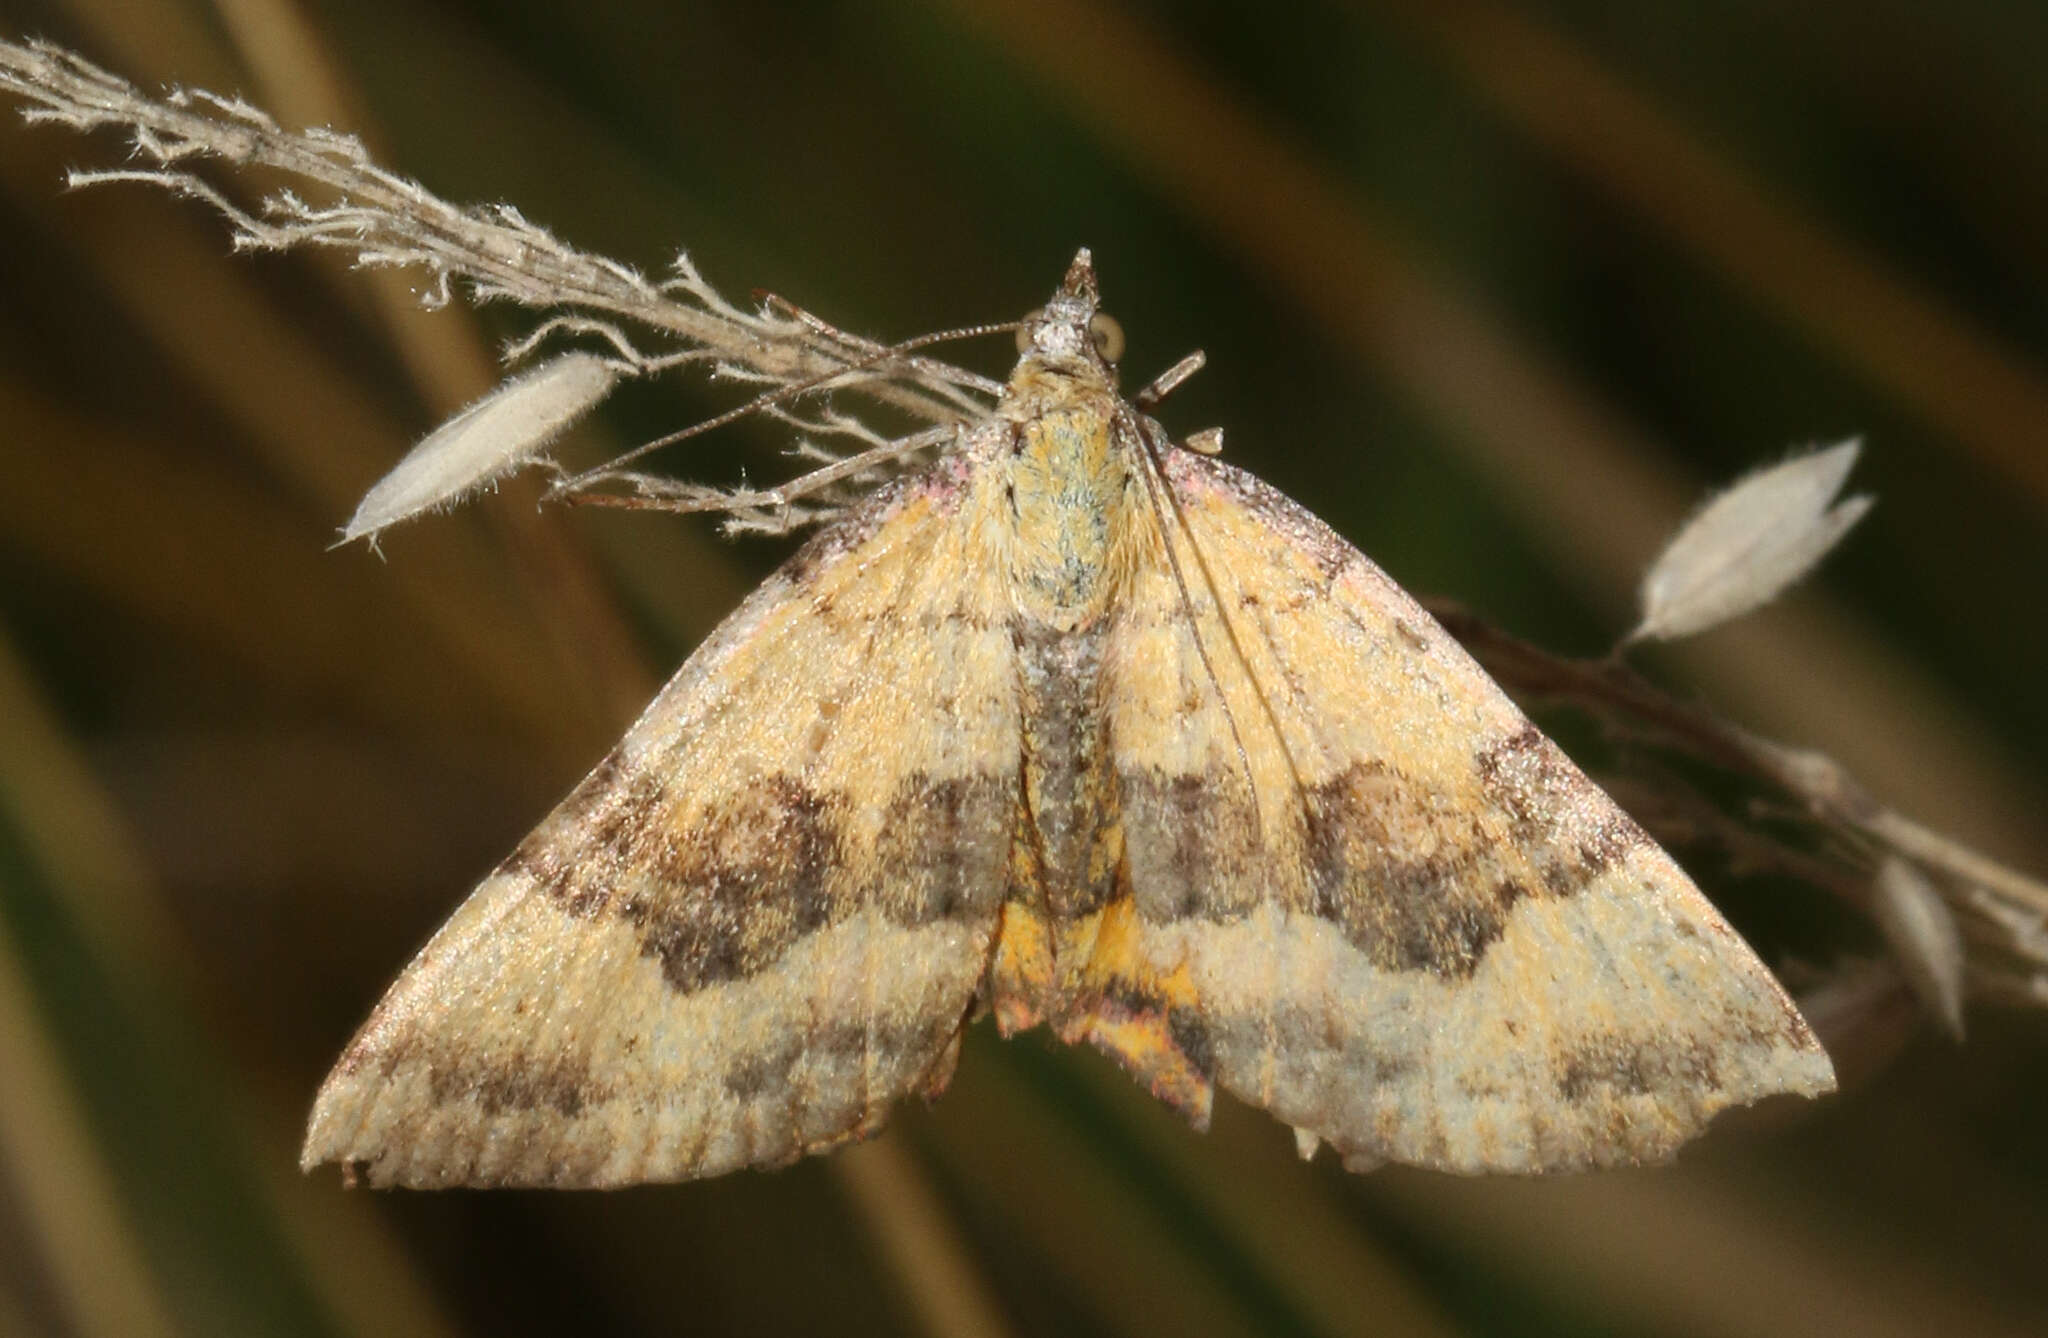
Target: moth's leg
(1169, 380)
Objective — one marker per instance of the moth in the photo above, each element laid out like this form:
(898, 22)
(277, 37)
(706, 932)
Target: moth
(1079, 728)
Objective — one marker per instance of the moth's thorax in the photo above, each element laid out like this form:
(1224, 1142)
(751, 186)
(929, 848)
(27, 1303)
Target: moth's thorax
(1070, 489)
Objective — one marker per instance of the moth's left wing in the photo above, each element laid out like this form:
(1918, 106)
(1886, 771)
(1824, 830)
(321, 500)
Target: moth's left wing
(759, 923)
(1370, 897)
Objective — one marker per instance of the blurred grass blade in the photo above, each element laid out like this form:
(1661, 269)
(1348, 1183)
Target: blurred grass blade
(1696, 1250)
(922, 1248)
(1901, 334)
(79, 842)
(306, 80)
(304, 419)
(190, 546)
(1284, 1217)
(1091, 1234)
(88, 1246)
(163, 1114)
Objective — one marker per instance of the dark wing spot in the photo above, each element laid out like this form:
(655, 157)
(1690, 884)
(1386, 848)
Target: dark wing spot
(1516, 773)
(1191, 1037)
(1189, 840)
(511, 1081)
(726, 897)
(839, 1044)
(1403, 871)
(1623, 1066)
(750, 1076)
(942, 846)
(1563, 824)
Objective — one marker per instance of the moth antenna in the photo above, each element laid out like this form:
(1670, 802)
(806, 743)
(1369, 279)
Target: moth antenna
(942, 371)
(876, 355)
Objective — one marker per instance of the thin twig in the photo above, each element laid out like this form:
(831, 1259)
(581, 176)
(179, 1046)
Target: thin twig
(2001, 910)
(384, 220)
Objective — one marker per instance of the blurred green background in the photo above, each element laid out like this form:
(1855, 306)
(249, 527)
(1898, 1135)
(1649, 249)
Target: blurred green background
(1496, 289)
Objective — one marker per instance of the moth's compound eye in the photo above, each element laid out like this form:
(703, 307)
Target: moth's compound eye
(1024, 334)
(1107, 335)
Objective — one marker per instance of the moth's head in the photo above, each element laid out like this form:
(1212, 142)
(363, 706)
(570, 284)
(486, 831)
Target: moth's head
(1072, 333)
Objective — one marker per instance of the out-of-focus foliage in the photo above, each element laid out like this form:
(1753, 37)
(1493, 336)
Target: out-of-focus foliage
(1499, 291)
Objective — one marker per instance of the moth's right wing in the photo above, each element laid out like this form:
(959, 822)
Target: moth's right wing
(760, 922)
(1375, 900)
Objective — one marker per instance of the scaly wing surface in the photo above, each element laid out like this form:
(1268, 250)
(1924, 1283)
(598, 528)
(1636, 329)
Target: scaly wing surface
(757, 924)
(1373, 899)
